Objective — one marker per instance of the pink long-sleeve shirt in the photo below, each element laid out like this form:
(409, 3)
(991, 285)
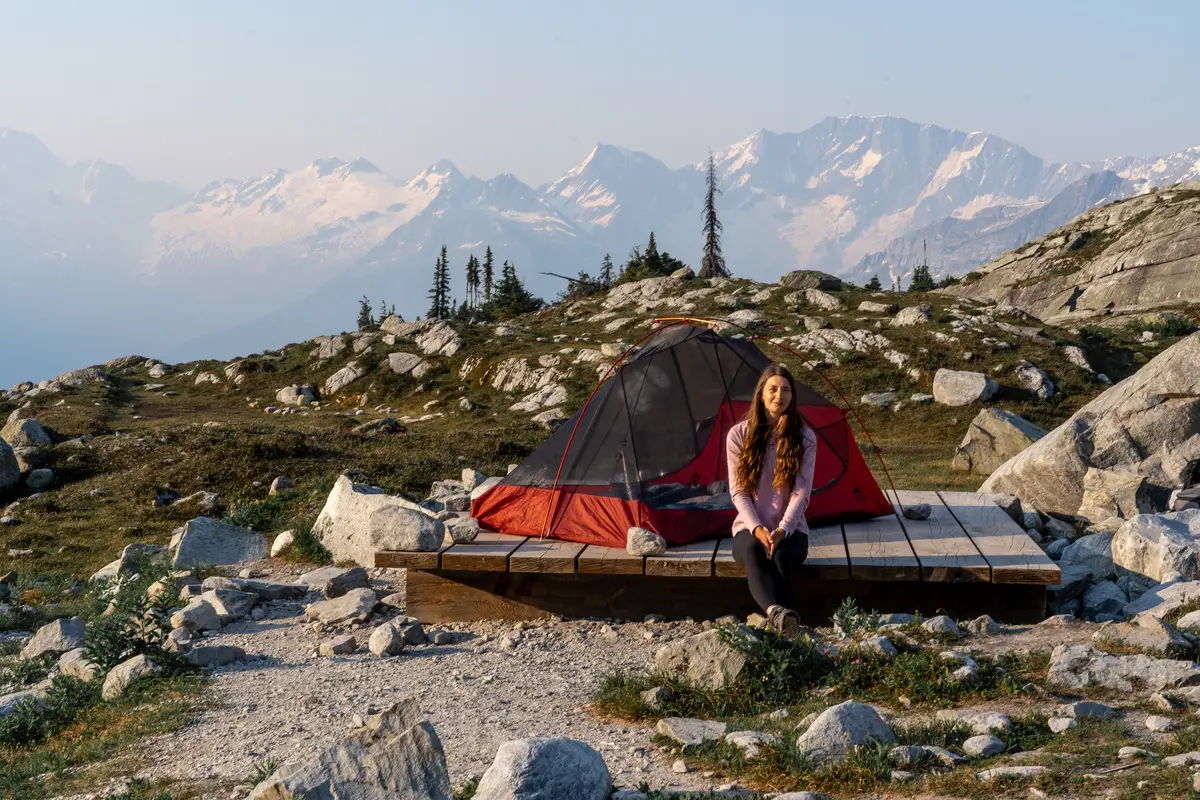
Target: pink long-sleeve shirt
(768, 507)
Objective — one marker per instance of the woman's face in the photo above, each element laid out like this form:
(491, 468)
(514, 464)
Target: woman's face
(776, 395)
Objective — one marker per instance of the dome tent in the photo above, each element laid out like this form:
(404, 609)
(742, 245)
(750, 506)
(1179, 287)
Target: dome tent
(648, 450)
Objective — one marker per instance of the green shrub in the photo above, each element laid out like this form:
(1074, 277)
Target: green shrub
(1172, 327)
(306, 547)
(263, 516)
(25, 672)
(779, 670)
(850, 620)
(32, 721)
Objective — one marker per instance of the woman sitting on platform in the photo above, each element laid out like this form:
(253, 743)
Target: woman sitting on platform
(771, 455)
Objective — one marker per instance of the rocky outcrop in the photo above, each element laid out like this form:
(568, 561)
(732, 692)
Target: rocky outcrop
(297, 395)
(396, 756)
(25, 433)
(359, 520)
(342, 378)
(994, 437)
(1147, 425)
(1108, 494)
(810, 279)
(1157, 545)
(439, 340)
(1076, 666)
(1132, 256)
(56, 638)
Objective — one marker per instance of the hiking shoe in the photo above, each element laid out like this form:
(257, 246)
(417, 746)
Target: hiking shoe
(785, 621)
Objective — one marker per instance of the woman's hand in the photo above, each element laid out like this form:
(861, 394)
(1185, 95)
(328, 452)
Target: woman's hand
(777, 536)
(764, 538)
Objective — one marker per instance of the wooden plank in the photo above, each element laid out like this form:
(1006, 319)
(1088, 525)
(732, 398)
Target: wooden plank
(401, 559)
(454, 596)
(598, 560)
(941, 545)
(545, 555)
(1012, 555)
(693, 560)
(827, 557)
(488, 553)
(447, 596)
(878, 550)
(724, 564)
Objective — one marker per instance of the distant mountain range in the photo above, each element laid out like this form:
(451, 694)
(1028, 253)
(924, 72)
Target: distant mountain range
(243, 265)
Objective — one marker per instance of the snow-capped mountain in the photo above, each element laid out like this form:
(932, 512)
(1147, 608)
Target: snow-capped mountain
(276, 257)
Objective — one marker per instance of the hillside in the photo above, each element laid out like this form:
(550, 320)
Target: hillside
(1131, 257)
(156, 431)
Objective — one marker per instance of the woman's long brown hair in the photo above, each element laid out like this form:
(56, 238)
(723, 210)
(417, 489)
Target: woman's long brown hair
(788, 430)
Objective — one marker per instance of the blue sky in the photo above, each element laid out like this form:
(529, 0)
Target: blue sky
(190, 92)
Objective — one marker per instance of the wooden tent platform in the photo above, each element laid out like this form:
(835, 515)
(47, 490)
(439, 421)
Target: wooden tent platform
(968, 558)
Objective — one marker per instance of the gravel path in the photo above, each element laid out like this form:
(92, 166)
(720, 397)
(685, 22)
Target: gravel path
(497, 682)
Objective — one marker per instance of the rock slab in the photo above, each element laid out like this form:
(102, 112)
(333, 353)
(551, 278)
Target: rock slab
(359, 520)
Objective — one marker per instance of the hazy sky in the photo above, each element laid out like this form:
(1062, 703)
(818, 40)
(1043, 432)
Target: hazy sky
(190, 92)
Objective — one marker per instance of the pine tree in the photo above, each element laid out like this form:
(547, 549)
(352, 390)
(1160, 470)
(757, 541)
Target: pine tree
(606, 271)
(922, 281)
(511, 297)
(472, 282)
(444, 286)
(651, 258)
(435, 292)
(874, 285)
(488, 266)
(712, 264)
(365, 320)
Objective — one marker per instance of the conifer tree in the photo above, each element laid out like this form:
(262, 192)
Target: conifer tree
(365, 320)
(712, 263)
(445, 285)
(651, 258)
(874, 285)
(606, 271)
(922, 281)
(472, 282)
(488, 266)
(439, 295)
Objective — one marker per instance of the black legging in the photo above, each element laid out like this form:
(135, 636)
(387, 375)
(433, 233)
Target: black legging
(770, 578)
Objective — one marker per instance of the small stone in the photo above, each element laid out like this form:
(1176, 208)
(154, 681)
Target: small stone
(689, 732)
(983, 625)
(1129, 753)
(282, 543)
(983, 746)
(652, 618)
(1061, 724)
(655, 698)
(680, 767)
(1087, 708)
(942, 625)
(1159, 723)
(386, 640)
(281, 484)
(641, 542)
(338, 646)
(1011, 772)
(918, 512)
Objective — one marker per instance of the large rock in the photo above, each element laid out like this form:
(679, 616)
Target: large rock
(994, 437)
(409, 363)
(1035, 380)
(820, 299)
(360, 520)
(122, 676)
(810, 279)
(1075, 666)
(1156, 545)
(396, 756)
(957, 388)
(913, 315)
(74, 664)
(1146, 633)
(439, 340)
(230, 604)
(1148, 425)
(702, 660)
(1165, 598)
(25, 433)
(205, 541)
(297, 395)
(198, 615)
(1092, 552)
(641, 542)
(355, 605)
(531, 769)
(56, 638)
(835, 733)
(10, 471)
(342, 378)
(1108, 494)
